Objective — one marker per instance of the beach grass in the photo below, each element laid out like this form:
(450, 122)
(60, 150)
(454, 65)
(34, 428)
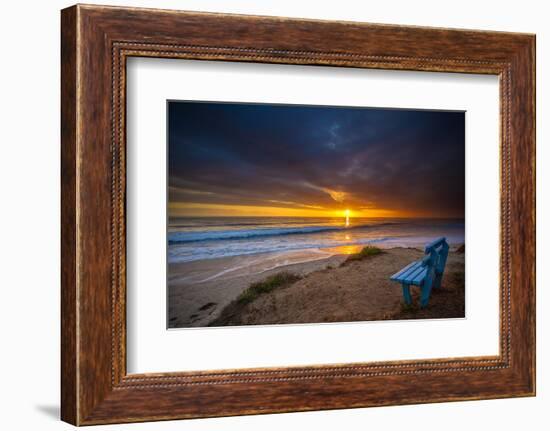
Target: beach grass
(267, 285)
(409, 308)
(365, 253)
(255, 290)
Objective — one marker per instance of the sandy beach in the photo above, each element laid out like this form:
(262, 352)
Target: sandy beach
(199, 291)
(329, 289)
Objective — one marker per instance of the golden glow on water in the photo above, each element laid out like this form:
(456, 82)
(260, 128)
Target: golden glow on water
(347, 218)
(345, 249)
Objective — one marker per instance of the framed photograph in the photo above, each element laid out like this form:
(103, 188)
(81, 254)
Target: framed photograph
(276, 213)
(266, 215)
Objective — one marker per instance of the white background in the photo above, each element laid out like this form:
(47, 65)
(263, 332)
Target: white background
(29, 225)
(151, 348)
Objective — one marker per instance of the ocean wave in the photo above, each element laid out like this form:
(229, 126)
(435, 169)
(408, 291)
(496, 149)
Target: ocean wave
(185, 253)
(219, 235)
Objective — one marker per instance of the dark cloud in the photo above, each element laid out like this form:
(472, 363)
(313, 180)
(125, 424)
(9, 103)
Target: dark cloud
(253, 154)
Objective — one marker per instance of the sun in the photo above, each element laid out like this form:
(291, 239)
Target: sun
(347, 213)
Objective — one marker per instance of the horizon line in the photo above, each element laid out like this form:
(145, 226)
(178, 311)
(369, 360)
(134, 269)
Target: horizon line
(264, 216)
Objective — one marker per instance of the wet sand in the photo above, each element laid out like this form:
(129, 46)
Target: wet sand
(199, 292)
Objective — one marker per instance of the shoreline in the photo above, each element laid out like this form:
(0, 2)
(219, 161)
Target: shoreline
(199, 291)
(197, 298)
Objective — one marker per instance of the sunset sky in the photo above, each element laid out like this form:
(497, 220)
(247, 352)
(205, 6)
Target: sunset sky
(230, 159)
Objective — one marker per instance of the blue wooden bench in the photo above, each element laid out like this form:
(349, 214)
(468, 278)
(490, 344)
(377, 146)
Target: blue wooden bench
(425, 273)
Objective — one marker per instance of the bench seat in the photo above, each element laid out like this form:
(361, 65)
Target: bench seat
(412, 274)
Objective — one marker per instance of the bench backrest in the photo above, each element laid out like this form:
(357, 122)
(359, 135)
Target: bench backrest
(436, 254)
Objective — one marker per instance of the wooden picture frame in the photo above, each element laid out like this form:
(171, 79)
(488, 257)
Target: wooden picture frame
(95, 43)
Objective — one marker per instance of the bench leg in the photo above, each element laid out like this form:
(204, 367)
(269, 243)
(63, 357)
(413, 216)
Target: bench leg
(406, 293)
(425, 292)
(437, 281)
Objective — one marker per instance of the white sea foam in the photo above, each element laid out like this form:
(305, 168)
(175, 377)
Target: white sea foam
(200, 239)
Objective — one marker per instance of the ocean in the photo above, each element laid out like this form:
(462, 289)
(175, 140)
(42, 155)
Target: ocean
(196, 239)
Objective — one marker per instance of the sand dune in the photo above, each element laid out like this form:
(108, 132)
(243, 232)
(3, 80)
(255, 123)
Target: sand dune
(327, 292)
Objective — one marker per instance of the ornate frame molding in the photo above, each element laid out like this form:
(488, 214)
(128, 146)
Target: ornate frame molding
(96, 41)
